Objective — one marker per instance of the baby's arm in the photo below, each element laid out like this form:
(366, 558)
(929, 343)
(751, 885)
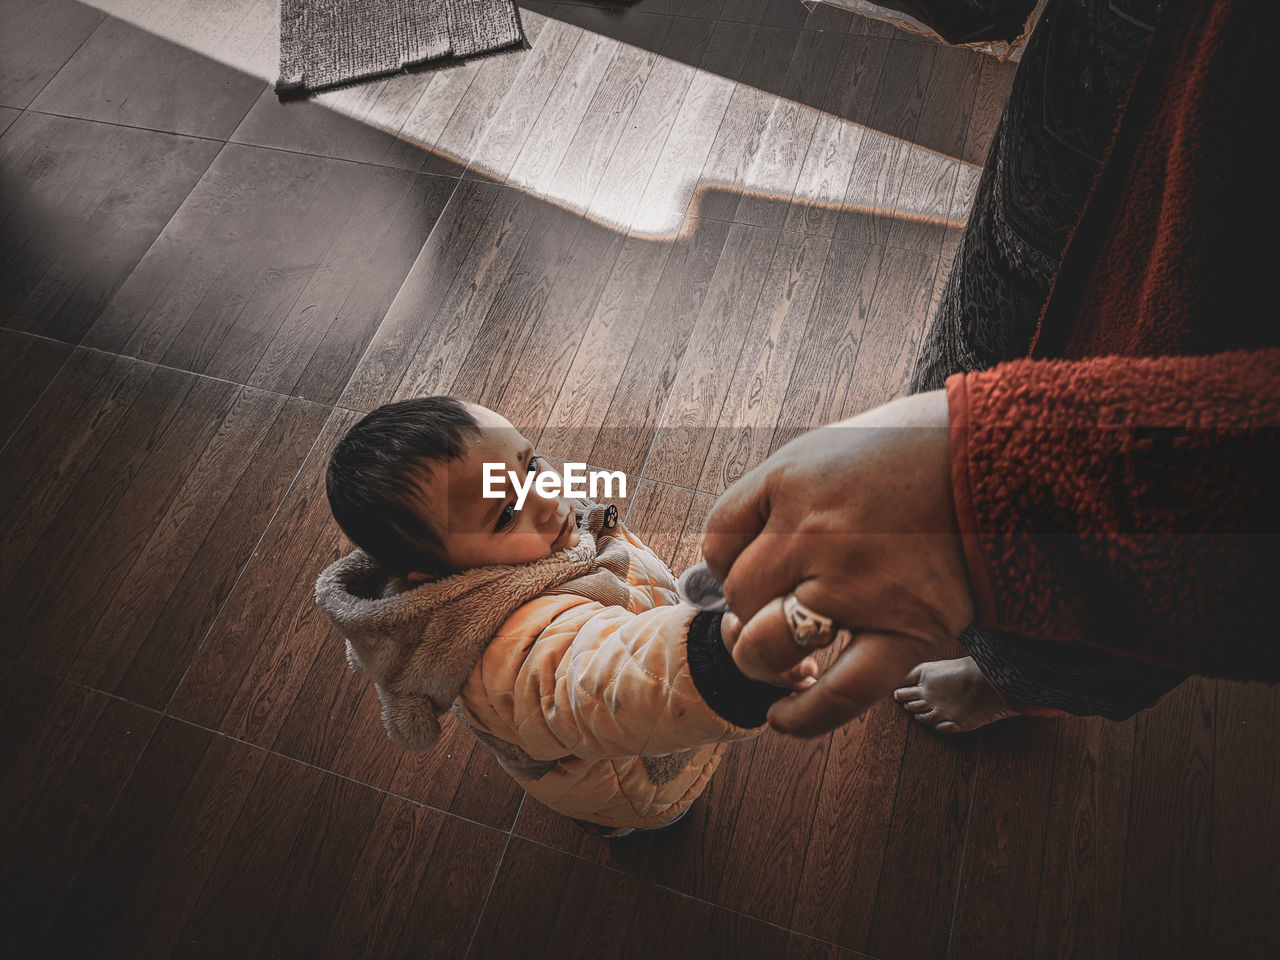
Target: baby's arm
(605, 682)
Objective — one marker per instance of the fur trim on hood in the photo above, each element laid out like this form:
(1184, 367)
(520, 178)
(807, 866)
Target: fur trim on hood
(419, 643)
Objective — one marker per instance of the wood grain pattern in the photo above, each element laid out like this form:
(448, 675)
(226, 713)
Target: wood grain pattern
(27, 365)
(637, 405)
(1170, 827)
(996, 906)
(1246, 828)
(833, 148)
(867, 210)
(161, 530)
(58, 792)
(744, 431)
(1082, 877)
(695, 400)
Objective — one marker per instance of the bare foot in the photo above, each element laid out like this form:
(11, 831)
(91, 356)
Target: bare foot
(952, 696)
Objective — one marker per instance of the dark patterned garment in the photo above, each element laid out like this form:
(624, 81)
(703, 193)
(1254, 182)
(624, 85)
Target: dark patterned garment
(1064, 104)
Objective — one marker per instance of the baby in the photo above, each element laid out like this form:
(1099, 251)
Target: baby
(551, 630)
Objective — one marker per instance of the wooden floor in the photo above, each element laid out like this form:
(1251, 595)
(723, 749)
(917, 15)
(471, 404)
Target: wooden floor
(665, 240)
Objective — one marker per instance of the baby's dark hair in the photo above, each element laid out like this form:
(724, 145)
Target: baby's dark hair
(370, 480)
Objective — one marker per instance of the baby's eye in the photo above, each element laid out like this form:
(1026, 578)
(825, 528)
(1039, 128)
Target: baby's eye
(508, 514)
(533, 463)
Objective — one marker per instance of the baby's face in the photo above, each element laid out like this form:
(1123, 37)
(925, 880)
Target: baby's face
(478, 531)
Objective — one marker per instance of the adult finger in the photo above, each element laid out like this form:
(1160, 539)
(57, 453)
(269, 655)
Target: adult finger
(864, 673)
(765, 649)
(734, 522)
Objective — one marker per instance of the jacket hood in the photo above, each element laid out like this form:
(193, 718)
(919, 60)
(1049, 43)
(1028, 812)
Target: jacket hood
(419, 643)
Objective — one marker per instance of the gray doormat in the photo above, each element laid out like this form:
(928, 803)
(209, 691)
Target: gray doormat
(332, 43)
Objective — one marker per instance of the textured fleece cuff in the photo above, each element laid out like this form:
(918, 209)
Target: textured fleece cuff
(984, 604)
(726, 689)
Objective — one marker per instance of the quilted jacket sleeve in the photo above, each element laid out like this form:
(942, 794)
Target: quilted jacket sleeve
(573, 676)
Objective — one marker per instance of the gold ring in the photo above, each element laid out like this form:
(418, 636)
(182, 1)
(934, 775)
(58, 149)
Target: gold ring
(808, 629)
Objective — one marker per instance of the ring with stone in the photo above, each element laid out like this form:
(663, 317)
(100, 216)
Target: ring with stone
(809, 629)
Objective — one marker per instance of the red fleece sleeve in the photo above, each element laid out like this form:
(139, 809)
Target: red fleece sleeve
(1127, 503)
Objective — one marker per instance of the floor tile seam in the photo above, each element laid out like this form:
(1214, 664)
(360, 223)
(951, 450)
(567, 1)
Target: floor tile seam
(106, 820)
(493, 883)
(17, 427)
(689, 896)
(964, 846)
(213, 622)
(324, 771)
(53, 76)
(164, 366)
(127, 126)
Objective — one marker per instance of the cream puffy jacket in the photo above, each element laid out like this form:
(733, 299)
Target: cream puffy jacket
(599, 692)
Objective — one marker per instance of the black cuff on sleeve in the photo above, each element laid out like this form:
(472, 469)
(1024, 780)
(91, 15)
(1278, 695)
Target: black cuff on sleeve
(727, 691)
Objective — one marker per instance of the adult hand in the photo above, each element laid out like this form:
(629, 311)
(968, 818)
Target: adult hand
(857, 520)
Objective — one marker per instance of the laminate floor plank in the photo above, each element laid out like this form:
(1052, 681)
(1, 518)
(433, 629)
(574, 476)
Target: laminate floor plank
(695, 401)
(127, 75)
(499, 342)
(450, 336)
(644, 137)
(833, 148)
(88, 546)
(923, 206)
(396, 121)
(744, 431)
(616, 325)
(745, 119)
(117, 865)
(922, 856)
(1246, 823)
(144, 640)
(822, 371)
(551, 133)
(57, 796)
(766, 861)
(245, 673)
(542, 356)
(7, 116)
(267, 241)
(505, 135)
(87, 201)
(996, 906)
(1080, 897)
(891, 336)
(38, 38)
(674, 186)
(239, 883)
(521, 910)
(784, 142)
(583, 167)
(637, 405)
(844, 858)
(871, 197)
(27, 365)
(1171, 827)
(412, 314)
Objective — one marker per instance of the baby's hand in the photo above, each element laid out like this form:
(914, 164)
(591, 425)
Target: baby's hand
(800, 677)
